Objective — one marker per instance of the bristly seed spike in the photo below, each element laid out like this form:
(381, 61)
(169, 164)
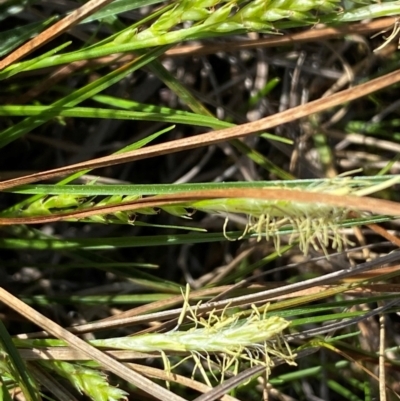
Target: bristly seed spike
(236, 338)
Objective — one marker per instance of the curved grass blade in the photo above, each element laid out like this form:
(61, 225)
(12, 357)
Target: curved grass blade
(17, 367)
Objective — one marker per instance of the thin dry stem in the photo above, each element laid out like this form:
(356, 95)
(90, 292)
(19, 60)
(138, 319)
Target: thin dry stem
(55, 30)
(214, 137)
(378, 206)
(104, 360)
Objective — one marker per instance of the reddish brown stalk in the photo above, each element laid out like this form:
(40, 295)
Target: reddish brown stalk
(217, 136)
(378, 206)
(318, 33)
(55, 30)
(385, 234)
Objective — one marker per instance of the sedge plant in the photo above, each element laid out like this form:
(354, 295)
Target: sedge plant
(224, 342)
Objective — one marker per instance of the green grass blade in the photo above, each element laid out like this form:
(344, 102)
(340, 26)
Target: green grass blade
(18, 367)
(72, 177)
(21, 66)
(149, 113)
(345, 393)
(14, 132)
(4, 393)
(12, 38)
(165, 189)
